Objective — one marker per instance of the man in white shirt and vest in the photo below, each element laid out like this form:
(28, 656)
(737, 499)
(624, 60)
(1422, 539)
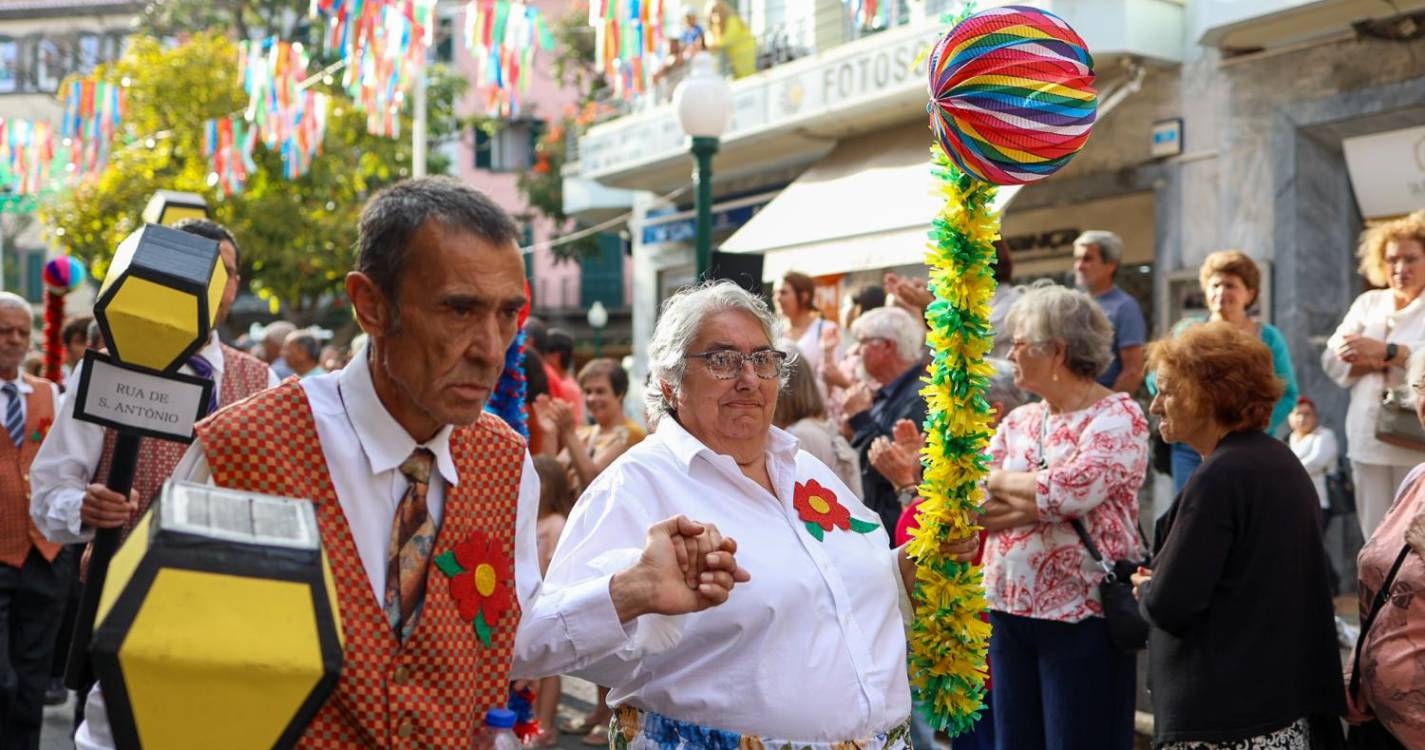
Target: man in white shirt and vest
(34, 572)
(425, 503)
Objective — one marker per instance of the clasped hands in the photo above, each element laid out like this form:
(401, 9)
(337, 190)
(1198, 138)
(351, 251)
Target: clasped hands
(686, 567)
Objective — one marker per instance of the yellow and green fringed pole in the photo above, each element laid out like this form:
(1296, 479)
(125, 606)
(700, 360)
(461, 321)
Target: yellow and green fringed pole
(1011, 102)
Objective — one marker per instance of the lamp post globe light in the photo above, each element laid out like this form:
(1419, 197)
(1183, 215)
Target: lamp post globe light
(598, 317)
(703, 102)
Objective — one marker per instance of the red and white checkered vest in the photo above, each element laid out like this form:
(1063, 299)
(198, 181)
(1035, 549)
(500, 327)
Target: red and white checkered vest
(431, 691)
(243, 375)
(17, 532)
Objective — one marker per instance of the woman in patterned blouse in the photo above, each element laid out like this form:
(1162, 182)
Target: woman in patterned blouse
(1079, 454)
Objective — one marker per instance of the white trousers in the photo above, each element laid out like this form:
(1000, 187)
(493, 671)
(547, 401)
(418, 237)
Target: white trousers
(1376, 485)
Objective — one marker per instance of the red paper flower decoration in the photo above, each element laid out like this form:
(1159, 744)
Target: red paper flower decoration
(481, 576)
(818, 507)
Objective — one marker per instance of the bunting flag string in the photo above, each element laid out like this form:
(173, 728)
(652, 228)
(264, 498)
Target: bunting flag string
(30, 161)
(628, 38)
(384, 43)
(287, 116)
(93, 112)
(502, 37)
(228, 143)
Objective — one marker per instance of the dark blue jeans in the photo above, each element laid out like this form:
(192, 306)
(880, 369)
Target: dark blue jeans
(1060, 685)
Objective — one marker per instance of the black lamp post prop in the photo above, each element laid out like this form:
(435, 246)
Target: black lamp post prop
(156, 308)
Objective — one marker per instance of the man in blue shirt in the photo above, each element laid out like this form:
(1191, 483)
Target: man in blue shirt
(1097, 255)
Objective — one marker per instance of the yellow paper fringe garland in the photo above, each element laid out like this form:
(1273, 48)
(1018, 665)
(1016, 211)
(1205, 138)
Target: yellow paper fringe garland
(949, 638)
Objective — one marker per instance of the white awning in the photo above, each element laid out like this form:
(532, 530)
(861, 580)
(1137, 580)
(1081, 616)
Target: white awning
(867, 204)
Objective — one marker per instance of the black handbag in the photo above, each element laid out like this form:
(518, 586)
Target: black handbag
(1340, 491)
(1126, 626)
(1372, 735)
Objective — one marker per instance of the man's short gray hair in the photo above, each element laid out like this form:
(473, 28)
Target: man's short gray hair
(1110, 246)
(307, 342)
(14, 301)
(1002, 389)
(1047, 312)
(678, 323)
(277, 332)
(896, 326)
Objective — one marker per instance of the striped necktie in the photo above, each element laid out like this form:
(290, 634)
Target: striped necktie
(14, 415)
(204, 370)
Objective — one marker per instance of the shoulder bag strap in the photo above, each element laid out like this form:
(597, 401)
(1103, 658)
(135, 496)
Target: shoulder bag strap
(1078, 524)
(1380, 599)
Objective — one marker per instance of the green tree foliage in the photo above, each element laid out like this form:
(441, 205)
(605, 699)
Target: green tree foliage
(297, 236)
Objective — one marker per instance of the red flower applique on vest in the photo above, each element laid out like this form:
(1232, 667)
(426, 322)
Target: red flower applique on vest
(481, 581)
(818, 507)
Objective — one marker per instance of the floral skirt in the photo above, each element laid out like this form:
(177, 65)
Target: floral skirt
(1295, 737)
(632, 729)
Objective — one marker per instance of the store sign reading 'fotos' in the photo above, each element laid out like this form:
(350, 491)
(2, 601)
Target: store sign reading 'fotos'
(136, 400)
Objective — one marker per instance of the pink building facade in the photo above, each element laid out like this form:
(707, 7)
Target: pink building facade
(562, 291)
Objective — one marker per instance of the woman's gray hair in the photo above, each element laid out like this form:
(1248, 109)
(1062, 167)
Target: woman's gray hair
(1048, 312)
(678, 323)
(896, 326)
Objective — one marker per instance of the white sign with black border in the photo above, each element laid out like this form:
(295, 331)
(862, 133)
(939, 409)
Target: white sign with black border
(138, 400)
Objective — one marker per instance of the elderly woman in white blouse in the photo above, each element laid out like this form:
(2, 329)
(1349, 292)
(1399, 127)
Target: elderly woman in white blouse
(812, 651)
(1367, 354)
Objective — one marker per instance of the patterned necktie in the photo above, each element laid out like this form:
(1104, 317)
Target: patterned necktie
(412, 536)
(14, 415)
(204, 370)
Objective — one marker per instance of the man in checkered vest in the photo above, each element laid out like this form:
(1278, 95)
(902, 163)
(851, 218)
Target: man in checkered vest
(425, 503)
(34, 572)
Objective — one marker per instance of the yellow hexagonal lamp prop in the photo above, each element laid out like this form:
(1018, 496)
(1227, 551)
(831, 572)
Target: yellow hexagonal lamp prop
(168, 207)
(160, 298)
(218, 626)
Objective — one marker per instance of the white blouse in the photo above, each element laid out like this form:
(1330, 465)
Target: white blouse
(812, 648)
(1373, 315)
(1317, 451)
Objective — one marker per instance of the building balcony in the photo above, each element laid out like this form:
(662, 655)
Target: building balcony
(795, 111)
(1264, 24)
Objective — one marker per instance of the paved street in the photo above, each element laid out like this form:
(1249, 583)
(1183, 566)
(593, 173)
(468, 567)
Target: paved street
(578, 699)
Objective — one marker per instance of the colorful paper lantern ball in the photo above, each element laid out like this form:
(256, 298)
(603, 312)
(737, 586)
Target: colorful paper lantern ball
(1011, 94)
(64, 274)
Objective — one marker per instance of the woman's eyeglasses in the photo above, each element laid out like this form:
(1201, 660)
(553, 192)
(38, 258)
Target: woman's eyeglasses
(726, 364)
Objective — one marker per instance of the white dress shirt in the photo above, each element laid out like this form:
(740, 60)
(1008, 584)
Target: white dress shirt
(70, 455)
(25, 389)
(812, 648)
(364, 446)
(1373, 315)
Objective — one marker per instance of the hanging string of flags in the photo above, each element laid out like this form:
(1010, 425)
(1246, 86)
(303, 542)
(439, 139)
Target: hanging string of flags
(384, 43)
(28, 163)
(93, 111)
(228, 143)
(382, 47)
(502, 37)
(628, 37)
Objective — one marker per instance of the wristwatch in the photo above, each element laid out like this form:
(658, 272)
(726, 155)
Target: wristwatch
(1390, 351)
(907, 494)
